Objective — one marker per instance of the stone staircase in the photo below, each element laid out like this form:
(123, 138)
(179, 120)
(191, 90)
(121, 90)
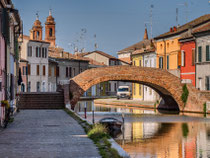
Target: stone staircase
(45, 100)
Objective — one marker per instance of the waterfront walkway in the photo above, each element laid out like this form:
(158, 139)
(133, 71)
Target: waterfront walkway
(43, 134)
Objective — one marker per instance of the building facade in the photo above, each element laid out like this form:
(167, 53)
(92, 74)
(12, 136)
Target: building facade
(203, 58)
(168, 46)
(187, 69)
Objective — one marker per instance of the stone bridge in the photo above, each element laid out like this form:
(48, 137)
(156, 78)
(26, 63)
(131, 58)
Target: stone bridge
(168, 86)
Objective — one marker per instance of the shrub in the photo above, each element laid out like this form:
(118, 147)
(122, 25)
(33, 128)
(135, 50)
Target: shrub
(185, 94)
(185, 130)
(97, 132)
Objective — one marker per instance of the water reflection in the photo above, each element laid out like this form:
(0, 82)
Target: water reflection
(146, 133)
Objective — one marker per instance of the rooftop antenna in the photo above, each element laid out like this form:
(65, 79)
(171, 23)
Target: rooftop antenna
(37, 15)
(186, 11)
(177, 16)
(95, 45)
(151, 7)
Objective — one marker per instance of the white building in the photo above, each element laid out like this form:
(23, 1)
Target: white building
(35, 51)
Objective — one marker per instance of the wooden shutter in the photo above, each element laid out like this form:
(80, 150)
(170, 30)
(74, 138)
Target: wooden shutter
(200, 54)
(207, 53)
(29, 69)
(179, 59)
(37, 70)
(49, 71)
(43, 70)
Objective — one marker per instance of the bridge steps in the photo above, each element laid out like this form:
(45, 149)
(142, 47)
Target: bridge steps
(41, 100)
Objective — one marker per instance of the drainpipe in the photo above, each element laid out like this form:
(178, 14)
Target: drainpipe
(195, 60)
(165, 62)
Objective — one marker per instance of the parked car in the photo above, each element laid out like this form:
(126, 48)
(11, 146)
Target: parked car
(124, 92)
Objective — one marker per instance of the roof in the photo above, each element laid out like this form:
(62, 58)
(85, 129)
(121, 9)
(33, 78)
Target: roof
(185, 27)
(136, 46)
(99, 52)
(202, 29)
(188, 35)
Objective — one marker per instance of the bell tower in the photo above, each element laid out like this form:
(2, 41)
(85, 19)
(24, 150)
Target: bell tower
(50, 29)
(36, 31)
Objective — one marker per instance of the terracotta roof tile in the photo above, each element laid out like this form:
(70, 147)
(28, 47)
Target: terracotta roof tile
(185, 27)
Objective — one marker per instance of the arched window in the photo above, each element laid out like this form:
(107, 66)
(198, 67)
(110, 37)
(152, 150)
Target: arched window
(38, 34)
(50, 32)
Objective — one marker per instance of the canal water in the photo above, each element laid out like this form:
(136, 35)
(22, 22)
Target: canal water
(146, 133)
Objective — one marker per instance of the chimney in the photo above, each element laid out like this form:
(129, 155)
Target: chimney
(175, 28)
(145, 34)
(171, 29)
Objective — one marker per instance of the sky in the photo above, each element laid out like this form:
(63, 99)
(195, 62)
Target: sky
(112, 24)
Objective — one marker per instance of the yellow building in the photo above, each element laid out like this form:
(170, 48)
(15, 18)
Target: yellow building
(137, 93)
(168, 48)
(168, 52)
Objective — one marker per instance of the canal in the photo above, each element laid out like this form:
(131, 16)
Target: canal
(146, 133)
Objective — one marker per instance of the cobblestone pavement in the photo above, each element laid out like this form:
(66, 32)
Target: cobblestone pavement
(43, 134)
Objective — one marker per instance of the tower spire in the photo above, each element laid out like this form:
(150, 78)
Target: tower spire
(145, 34)
(50, 12)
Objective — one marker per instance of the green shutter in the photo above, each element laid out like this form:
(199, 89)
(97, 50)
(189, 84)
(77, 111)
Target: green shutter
(168, 62)
(207, 53)
(159, 62)
(199, 54)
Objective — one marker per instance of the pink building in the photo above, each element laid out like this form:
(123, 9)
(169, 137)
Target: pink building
(2, 65)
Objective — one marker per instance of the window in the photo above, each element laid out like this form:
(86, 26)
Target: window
(167, 61)
(200, 54)
(207, 82)
(50, 32)
(43, 52)
(37, 49)
(115, 87)
(67, 72)
(74, 72)
(139, 89)
(134, 89)
(23, 73)
(38, 34)
(167, 45)
(40, 52)
(29, 51)
(38, 86)
(193, 56)
(49, 69)
(150, 91)
(161, 46)
(110, 87)
(29, 87)
(43, 70)
(70, 75)
(207, 53)
(134, 63)
(140, 63)
(37, 70)
(160, 62)
(183, 58)
(57, 71)
(43, 86)
(29, 69)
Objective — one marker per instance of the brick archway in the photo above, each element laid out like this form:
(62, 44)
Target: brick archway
(168, 86)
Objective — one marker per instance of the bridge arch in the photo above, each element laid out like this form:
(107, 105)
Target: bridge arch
(168, 86)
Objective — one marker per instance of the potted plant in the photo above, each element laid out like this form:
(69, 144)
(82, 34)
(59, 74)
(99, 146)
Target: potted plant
(5, 103)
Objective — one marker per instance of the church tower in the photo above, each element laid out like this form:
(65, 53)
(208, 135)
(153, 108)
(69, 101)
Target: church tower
(50, 30)
(36, 31)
